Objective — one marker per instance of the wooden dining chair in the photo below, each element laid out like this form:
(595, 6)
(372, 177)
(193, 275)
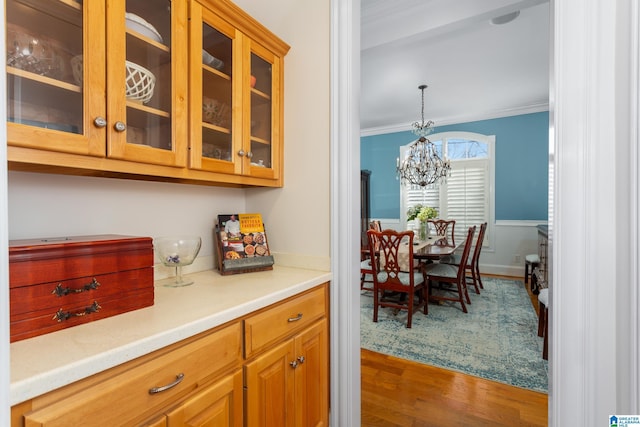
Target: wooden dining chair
(366, 270)
(444, 227)
(543, 321)
(454, 274)
(393, 274)
(472, 268)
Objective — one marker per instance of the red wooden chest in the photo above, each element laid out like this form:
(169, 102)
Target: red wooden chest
(57, 283)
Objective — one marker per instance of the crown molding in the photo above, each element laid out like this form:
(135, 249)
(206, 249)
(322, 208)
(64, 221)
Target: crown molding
(444, 121)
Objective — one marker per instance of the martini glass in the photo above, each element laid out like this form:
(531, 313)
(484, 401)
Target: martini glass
(177, 252)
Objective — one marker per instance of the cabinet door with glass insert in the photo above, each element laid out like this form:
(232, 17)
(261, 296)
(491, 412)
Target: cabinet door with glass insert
(262, 146)
(214, 133)
(55, 100)
(146, 81)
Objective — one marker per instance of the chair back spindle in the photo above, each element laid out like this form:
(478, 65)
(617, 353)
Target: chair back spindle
(444, 227)
(454, 274)
(392, 275)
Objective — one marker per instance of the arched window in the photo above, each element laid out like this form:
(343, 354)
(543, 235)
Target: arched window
(468, 194)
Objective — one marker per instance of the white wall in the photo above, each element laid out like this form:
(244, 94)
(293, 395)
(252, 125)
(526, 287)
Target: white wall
(297, 216)
(42, 205)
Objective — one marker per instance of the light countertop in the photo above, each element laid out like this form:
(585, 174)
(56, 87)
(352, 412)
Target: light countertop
(47, 362)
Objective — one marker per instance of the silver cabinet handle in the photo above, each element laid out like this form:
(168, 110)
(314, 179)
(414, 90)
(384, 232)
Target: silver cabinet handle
(178, 380)
(294, 364)
(100, 122)
(249, 154)
(241, 153)
(301, 359)
(120, 127)
(295, 319)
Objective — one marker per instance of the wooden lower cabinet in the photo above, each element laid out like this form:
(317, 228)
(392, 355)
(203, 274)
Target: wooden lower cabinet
(287, 386)
(128, 395)
(280, 382)
(219, 404)
(160, 421)
(312, 384)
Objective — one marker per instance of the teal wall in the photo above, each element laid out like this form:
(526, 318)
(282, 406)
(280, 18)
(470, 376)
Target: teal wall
(521, 153)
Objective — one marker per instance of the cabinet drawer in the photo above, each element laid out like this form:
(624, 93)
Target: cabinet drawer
(73, 293)
(125, 398)
(36, 310)
(277, 322)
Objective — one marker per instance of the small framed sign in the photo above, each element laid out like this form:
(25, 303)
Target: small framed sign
(242, 245)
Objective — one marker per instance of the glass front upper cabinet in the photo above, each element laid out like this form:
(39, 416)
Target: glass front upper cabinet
(70, 91)
(153, 81)
(264, 128)
(217, 75)
(235, 98)
(45, 45)
(214, 130)
(261, 124)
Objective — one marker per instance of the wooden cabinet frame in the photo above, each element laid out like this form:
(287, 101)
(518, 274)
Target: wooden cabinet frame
(286, 378)
(101, 151)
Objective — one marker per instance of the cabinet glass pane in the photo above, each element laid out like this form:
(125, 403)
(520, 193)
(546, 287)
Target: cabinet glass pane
(44, 43)
(216, 94)
(261, 116)
(148, 73)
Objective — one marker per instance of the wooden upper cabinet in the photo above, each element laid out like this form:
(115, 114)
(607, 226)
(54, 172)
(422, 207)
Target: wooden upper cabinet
(236, 93)
(147, 108)
(71, 91)
(190, 91)
(216, 98)
(49, 106)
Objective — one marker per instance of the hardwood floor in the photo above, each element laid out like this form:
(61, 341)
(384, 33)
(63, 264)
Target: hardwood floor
(398, 392)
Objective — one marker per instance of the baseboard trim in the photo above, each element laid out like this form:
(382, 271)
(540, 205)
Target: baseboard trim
(503, 270)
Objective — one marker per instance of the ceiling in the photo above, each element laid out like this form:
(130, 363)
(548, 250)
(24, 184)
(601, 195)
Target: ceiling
(473, 68)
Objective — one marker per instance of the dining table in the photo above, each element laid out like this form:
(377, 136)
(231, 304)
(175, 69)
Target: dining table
(434, 248)
(428, 250)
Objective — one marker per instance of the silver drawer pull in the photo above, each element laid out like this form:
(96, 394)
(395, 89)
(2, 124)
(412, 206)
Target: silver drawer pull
(295, 319)
(178, 380)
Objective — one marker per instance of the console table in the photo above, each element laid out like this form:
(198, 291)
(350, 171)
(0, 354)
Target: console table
(540, 275)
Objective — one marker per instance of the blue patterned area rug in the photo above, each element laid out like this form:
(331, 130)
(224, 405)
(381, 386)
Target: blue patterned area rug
(496, 340)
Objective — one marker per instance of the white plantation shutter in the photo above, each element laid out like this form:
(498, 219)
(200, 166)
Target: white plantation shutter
(467, 195)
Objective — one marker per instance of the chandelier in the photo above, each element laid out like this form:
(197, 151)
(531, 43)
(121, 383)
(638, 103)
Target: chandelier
(422, 165)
